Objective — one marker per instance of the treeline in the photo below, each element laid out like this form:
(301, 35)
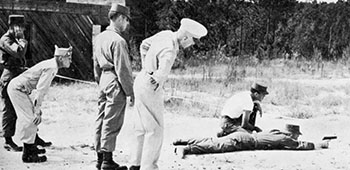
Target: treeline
(267, 29)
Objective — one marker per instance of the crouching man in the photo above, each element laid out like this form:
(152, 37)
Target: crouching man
(38, 77)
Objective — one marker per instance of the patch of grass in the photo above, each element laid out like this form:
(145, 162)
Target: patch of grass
(290, 83)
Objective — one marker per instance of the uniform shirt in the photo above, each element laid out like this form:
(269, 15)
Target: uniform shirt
(14, 49)
(38, 77)
(158, 54)
(111, 52)
(238, 103)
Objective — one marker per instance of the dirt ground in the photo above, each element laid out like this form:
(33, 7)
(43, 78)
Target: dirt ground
(72, 137)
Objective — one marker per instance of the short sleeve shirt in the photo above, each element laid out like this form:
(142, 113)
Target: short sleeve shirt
(239, 102)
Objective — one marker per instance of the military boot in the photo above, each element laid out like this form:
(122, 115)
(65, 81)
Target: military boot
(109, 164)
(99, 160)
(134, 167)
(11, 146)
(41, 142)
(30, 154)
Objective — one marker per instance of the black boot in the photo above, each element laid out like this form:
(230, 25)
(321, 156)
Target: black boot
(109, 164)
(41, 142)
(11, 146)
(99, 160)
(30, 154)
(134, 167)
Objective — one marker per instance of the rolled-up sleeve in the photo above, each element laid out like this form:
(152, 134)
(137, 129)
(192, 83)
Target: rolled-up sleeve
(123, 67)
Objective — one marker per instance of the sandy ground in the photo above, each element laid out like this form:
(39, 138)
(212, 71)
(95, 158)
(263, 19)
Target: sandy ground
(72, 137)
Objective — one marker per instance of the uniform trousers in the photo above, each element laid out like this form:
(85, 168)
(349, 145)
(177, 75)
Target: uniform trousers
(9, 116)
(24, 108)
(111, 111)
(148, 123)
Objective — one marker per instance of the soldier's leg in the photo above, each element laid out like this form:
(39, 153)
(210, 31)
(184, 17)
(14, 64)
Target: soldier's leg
(153, 122)
(112, 123)
(138, 135)
(27, 129)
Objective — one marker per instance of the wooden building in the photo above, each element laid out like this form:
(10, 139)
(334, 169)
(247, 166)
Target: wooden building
(51, 22)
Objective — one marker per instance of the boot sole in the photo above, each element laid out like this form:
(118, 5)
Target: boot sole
(114, 168)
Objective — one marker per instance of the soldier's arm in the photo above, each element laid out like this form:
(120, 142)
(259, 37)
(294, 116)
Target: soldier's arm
(245, 120)
(14, 48)
(166, 59)
(123, 67)
(97, 70)
(42, 88)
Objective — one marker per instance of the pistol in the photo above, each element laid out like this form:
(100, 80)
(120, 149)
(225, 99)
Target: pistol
(329, 137)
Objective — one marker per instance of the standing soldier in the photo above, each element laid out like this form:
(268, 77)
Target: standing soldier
(13, 48)
(29, 112)
(113, 72)
(157, 54)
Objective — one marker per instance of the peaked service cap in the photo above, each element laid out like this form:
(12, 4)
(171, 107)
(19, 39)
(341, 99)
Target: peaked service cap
(193, 27)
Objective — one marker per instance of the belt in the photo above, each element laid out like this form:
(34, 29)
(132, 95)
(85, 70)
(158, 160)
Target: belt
(108, 69)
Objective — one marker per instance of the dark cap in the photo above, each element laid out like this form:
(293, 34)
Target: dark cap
(16, 19)
(259, 88)
(117, 8)
(293, 129)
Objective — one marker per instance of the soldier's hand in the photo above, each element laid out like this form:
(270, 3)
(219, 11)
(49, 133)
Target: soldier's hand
(131, 100)
(37, 120)
(152, 80)
(155, 83)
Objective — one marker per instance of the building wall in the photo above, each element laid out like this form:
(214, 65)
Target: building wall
(50, 23)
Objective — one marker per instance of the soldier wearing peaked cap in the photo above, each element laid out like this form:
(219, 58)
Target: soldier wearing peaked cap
(158, 53)
(13, 47)
(112, 70)
(240, 110)
(39, 78)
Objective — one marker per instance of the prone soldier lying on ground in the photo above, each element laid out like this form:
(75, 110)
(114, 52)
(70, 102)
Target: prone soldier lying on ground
(243, 140)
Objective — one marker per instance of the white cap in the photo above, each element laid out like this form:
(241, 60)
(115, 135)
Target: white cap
(62, 51)
(194, 28)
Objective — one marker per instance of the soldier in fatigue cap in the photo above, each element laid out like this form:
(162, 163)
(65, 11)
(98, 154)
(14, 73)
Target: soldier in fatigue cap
(158, 53)
(39, 78)
(112, 70)
(13, 47)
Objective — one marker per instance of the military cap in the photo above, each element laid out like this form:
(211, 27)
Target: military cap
(259, 88)
(62, 51)
(16, 19)
(293, 129)
(118, 8)
(194, 28)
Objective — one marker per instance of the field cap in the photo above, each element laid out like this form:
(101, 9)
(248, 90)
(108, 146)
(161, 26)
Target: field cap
(16, 19)
(293, 129)
(194, 28)
(260, 88)
(118, 8)
(62, 51)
